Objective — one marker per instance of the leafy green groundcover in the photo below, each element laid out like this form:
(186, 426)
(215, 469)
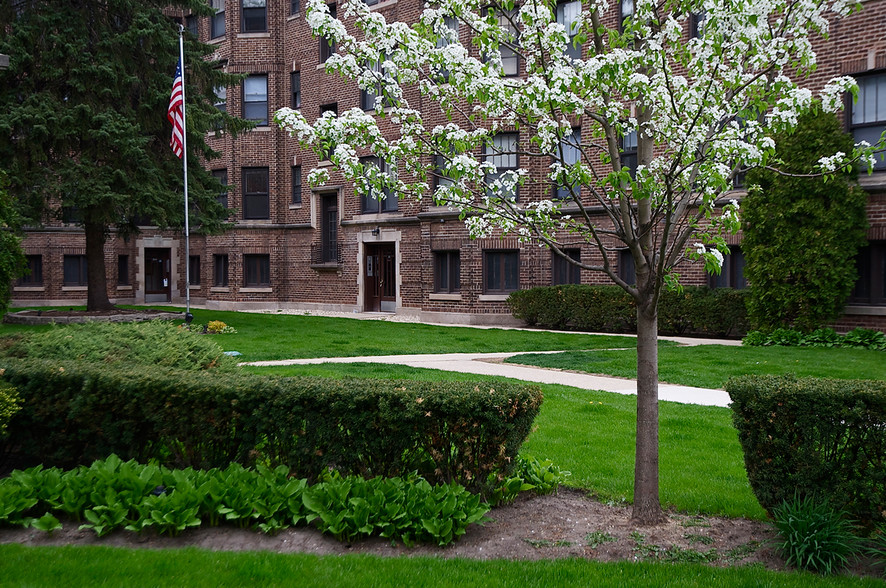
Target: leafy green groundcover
(113, 494)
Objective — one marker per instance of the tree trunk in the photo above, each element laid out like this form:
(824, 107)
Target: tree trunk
(96, 278)
(647, 507)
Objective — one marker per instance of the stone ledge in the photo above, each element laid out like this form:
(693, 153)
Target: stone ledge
(47, 317)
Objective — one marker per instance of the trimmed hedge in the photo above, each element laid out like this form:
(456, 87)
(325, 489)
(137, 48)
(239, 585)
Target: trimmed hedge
(73, 413)
(819, 437)
(698, 310)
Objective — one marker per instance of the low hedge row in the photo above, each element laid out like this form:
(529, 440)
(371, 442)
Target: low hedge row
(819, 437)
(697, 310)
(74, 412)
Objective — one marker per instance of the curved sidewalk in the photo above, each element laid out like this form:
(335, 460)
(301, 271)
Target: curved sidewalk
(490, 364)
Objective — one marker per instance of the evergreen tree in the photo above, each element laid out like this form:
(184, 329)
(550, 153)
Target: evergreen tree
(83, 105)
(12, 260)
(801, 233)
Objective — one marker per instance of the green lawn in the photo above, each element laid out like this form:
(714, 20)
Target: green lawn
(591, 434)
(709, 366)
(281, 336)
(105, 566)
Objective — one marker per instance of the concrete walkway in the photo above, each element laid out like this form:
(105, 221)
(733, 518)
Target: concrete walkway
(491, 364)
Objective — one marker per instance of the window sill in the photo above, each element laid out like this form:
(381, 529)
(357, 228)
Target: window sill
(493, 297)
(865, 310)
(445, 297)
(124, 287)
(332, 265)
(216, 40)
(194, 286)
(255, 35)
(75, 288)
(254, 290)
(383, 4)
(220, 289)
(295, 206)
(292, 17)
(28, 289)
(262, 128)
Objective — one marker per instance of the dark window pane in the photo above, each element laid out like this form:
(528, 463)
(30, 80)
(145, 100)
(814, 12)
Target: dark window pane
(296, 184)
(122, 270)
(74, 270)
(255, 99)
(34, 275)
(447, 270)
(255, 16)
(502, 271)
(220, 270)
(194, 270)
(217, 21)
(257, 270)
(295, 85)
(256, 201)
(564, 272)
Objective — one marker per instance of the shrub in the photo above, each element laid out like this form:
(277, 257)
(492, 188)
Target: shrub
(698, 310)
(814, 537)
(154, 343)
(826, 337)
(877, 547)
(74, 412)
(800, 234)
(9, 405)
(826, 437)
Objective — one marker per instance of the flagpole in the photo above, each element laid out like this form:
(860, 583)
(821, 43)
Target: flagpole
(181, 56)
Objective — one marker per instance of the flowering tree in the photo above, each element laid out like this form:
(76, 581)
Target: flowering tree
(699, 109)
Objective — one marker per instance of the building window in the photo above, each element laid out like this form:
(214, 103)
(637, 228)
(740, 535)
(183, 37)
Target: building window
(626, 11)
(294, 7)
(369, 96)
(732, 272)
(255, 99)
(257, 271)
(220, 270)
(501, 271)
(75, 270)
(123, 270)
(295, 85)
(324, 108)
(194, 270)
(567, 15)
(440, 178)
(867, 119)
(372, 202)
(696, 23)
(510, 61)
(221, 98)
(296, 184)
(502, 153)
(626, 269)
(447, 271)
(442, 41)
(564, 271)
(327, 46)
(217, 21)
(192, 24)
(329, 228)
(569, 154)
(222, 176)
(256, 201)
(870, 288)
(34, 275)
(254, 16)
(628, 153)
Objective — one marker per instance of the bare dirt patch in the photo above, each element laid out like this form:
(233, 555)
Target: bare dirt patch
(567, 524)
(68, 315)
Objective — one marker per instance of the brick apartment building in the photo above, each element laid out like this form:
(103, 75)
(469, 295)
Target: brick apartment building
(294, 247)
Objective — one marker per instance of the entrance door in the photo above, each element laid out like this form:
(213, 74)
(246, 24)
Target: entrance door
(380, 278)
(157, 275)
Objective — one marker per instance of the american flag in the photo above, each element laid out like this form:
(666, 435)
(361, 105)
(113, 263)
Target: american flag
(176, 113)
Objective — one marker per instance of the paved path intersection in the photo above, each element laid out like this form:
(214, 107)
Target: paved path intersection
(491, 364)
